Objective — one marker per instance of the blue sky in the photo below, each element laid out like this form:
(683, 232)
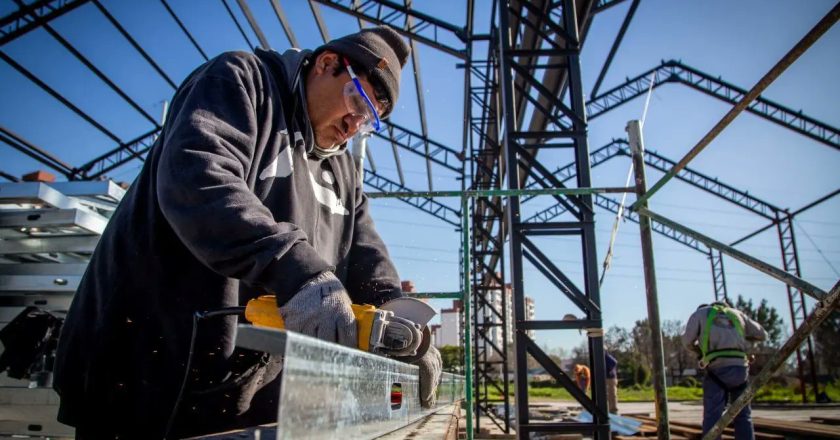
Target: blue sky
(738, 41)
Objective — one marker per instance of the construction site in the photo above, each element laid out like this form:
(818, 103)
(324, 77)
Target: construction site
(582, 219)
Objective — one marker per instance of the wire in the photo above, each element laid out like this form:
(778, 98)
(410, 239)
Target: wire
(808, 236)
(618, 217)
(197, 316)
(647, 99)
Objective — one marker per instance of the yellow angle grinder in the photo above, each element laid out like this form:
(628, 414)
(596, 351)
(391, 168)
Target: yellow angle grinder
(398, 328)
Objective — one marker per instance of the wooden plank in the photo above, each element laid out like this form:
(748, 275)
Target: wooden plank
(826, 420)
(799, 428)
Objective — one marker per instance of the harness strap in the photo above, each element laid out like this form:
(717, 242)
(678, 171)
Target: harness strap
(709, 356)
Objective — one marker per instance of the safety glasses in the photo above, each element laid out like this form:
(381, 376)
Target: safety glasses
(359, 104)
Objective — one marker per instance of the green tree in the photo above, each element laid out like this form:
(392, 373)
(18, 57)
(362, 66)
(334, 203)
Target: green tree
(765, 315)
(827, 341)
(677, 357)
(452, 356)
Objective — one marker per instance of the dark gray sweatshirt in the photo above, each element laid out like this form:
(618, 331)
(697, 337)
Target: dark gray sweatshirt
(230, 204)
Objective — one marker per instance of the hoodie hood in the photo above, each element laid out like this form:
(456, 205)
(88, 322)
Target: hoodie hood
(294, 63)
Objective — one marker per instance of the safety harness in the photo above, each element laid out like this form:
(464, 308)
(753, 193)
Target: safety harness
(709, 356)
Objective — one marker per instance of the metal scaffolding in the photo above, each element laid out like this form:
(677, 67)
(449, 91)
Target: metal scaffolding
(523, 94)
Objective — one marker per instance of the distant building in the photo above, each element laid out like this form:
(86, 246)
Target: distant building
(450, 331)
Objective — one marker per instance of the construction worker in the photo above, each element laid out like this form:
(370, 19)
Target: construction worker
(582, 377)
(247, 191)
(721, 336)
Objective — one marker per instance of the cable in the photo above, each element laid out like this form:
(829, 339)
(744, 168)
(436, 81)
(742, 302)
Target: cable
(813, 243)
(197, 316)
(619, 216)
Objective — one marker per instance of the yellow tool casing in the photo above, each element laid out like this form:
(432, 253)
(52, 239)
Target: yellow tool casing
(262, 311)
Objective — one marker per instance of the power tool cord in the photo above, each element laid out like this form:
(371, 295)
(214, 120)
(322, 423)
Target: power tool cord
(197, 316)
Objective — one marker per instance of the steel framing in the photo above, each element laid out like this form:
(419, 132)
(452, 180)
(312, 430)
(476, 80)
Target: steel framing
(531, 68)
(561, 57)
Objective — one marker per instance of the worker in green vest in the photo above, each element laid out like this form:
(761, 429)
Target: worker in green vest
(721, 336)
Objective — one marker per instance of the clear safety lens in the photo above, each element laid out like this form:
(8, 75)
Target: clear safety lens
(359, 105)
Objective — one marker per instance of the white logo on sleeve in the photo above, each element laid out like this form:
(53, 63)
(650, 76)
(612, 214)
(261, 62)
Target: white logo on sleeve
(282, 165)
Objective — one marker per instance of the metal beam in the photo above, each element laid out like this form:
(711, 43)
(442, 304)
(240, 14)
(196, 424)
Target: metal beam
(328, 390)
(78, 55)
(616, 43)
(425, 28)
(425, 204)
(243, 5)
(284, 22)
(807, 41)
(676, 72)
(322, 27)
(33, 16)
(421, 101)
(414, 142)
(779, 274)
(134, 43)
(18, 143)
(236, 22)
(131, 150)
(184, 29)
(52, 92)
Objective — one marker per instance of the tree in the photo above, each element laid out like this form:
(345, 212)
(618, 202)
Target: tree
(677, 357)
(827, 340)
(451, 356)
(767, 316)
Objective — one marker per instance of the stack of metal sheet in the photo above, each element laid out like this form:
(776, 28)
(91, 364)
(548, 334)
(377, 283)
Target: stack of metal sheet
(47, 234)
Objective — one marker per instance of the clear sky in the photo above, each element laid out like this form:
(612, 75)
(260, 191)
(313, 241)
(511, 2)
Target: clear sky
(737, 41)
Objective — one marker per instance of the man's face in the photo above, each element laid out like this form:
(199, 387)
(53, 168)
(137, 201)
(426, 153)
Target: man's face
(333, 122)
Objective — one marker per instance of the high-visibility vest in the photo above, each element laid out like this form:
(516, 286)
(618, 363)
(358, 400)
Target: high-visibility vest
(709, 356)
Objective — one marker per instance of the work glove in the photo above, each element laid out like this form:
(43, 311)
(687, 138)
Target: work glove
(430, 368)
(321, 308)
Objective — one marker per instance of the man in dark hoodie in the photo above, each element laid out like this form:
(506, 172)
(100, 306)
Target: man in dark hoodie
(247, 191)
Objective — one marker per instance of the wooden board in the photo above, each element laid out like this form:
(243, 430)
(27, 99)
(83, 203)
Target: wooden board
(797, 428)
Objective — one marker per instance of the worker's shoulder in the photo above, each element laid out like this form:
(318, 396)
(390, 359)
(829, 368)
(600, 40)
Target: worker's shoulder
(233, 64)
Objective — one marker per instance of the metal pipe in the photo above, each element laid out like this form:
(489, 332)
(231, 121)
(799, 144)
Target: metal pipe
(236, 22)
(809, 39)
(284, 22)
(465, 243)
(634, 131)
(134, 43)
(624, 25)
(815, 203)
(84, 60)
(822, 311)
(243, 5)
(184, 29)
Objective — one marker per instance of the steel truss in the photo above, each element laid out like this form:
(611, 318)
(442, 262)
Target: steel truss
(33, 16)
(538, 73)
(531, 68)
(673, 71)
(487, 242)
(782, 219)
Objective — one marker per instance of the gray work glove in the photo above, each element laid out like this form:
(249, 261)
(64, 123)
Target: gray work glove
(430, 368)
(321, 308)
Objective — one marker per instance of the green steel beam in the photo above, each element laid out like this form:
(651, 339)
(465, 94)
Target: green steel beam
(504, 192)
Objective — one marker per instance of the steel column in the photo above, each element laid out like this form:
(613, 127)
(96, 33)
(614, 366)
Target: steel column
(634, 131)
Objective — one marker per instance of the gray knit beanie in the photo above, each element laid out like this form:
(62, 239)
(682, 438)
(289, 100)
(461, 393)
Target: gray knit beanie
(381, 51)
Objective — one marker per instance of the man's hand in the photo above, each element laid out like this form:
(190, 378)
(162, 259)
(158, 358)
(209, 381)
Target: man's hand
(321, 308)
(430, 368)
